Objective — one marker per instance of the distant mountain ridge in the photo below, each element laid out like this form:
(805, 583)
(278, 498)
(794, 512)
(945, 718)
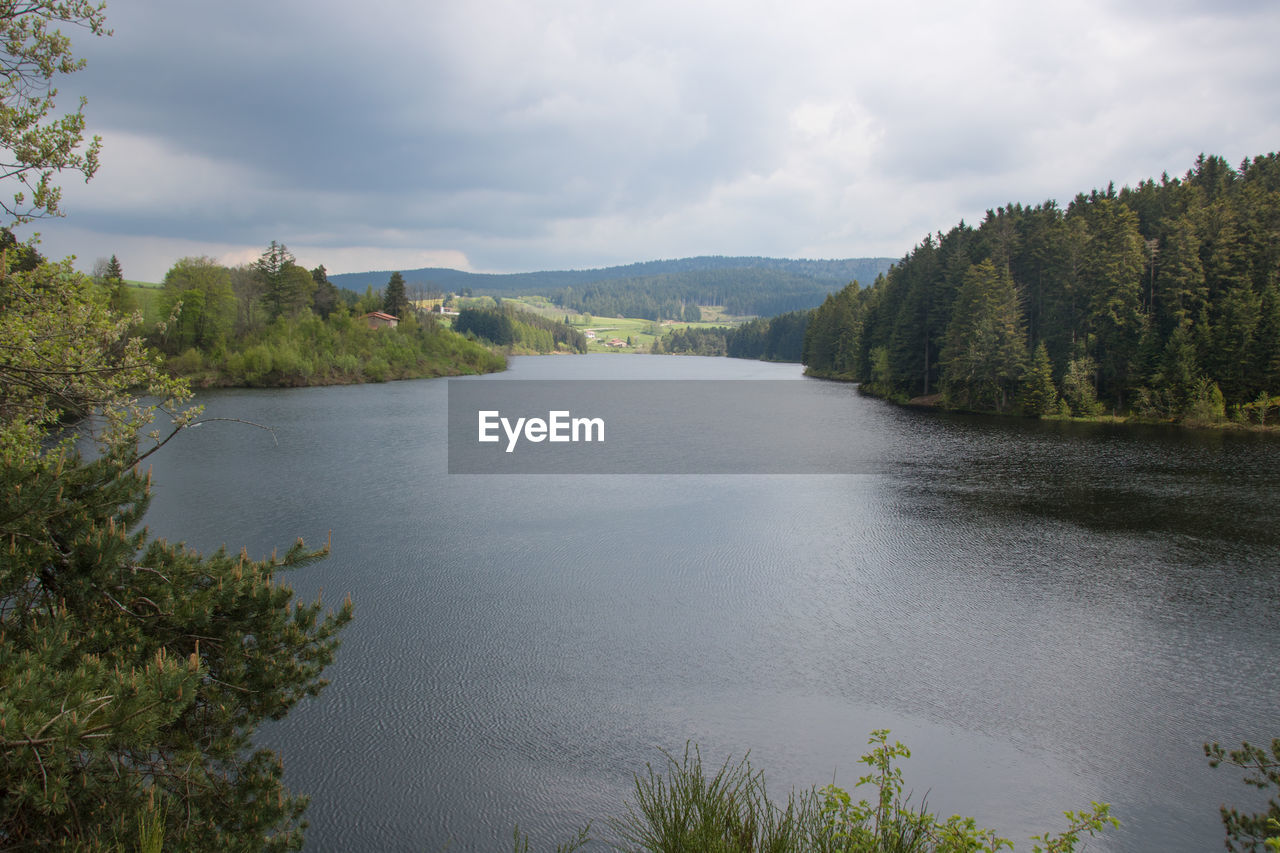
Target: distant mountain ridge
(745, 285)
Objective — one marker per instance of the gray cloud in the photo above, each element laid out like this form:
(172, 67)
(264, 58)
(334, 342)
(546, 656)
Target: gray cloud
(572, 133)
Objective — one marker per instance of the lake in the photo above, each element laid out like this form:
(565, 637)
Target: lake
(1045, 613)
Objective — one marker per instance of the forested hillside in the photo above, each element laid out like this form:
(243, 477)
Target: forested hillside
(1162, 299)
(779, 338)
(670, 290)
(509, 326)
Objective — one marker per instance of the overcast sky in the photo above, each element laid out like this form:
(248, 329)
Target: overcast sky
(554, 134)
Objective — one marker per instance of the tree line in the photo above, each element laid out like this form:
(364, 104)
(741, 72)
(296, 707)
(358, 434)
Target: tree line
(505, 325)
(779, 338)
(273, 322)
(1161, 300)
(677, 296)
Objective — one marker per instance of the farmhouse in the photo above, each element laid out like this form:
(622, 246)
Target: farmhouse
(379, 320)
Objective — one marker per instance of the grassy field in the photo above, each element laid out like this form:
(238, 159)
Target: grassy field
(145, 293)
(641, 332)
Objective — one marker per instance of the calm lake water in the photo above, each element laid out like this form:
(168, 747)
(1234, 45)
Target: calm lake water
(1047, 614)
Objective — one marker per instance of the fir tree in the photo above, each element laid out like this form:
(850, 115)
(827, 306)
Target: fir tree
(286, 287)
(986, 343)
(1039, 396)
(394, 300)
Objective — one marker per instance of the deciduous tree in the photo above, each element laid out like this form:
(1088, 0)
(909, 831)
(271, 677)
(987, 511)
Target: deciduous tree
(202, 287)
(34, 143)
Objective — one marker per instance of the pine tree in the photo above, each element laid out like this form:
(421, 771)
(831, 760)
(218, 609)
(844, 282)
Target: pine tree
(114, 273)
(326, 295)
(394, 300)
(133, 673)
(1039, 396)
(986, 343)
(286, 287)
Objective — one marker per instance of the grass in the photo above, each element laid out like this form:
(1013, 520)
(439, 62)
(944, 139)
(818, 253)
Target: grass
(682, 808)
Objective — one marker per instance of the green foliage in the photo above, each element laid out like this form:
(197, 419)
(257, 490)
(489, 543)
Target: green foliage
(133, 672)
(779, 338)
(308, 350)
(1158, 293)
(286, 287)
(1262, 766)
(985, 351)
(198, 296)
(63, 355)
(695, 341)
(35, 143)
(18, 257)
(685, 810)
(1207, 405)
(326, 296)
(509, 326)
(214, 328)
(1078, 387)
(1039, 395)
(730, 811)
(394, 300)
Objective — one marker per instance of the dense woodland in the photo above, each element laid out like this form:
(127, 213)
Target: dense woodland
(1161, 300)
(677, 296)
(509, 326)
(778, 338)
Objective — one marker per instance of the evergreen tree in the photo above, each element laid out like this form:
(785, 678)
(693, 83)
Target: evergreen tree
(133, 673)
(986, 344)
(394, 300)
(286, 287)
(326, 297)
(114, 272)
(1078, 386)
(1039, 396)
(1113, 272)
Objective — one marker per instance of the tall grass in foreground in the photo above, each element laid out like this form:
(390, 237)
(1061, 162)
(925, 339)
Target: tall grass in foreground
(682, 809)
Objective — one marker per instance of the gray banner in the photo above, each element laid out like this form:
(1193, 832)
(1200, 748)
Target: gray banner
(650, 427)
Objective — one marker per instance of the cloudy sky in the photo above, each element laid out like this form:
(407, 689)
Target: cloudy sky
(517, 135)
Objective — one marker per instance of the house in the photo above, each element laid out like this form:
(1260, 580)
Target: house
(379, 320)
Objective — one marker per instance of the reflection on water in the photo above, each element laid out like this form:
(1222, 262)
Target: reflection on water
(1046, 613)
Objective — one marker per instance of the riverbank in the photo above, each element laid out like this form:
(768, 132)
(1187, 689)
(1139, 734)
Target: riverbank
(308, 351)
(1244, 418)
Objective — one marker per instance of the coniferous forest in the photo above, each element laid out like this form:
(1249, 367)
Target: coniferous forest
(1161, 300)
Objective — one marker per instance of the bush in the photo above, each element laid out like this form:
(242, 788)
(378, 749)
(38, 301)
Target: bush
(191, 361)
(377, 369)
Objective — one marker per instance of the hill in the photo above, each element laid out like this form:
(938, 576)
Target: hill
(655, 289)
